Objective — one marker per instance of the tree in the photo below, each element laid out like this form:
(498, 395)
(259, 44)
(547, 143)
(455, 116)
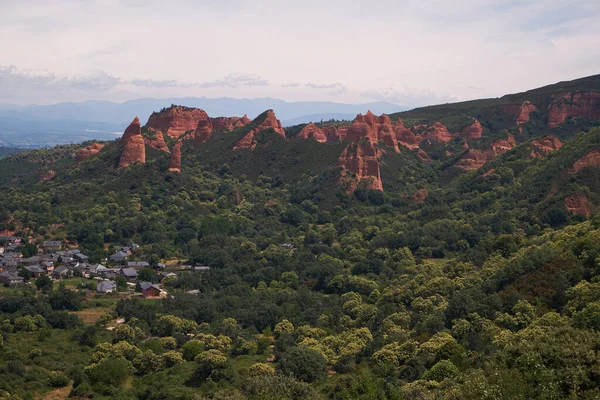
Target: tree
(147, 275)
(111, 371)
(303, 363)
(261, 369)
(211, 364)
(65, 299)
(44, 283)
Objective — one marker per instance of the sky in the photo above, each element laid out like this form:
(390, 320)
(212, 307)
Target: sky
(408, 52)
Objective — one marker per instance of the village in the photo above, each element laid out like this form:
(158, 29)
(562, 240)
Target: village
(125, 271)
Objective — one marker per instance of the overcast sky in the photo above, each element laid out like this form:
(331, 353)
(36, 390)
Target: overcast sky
(407, 52)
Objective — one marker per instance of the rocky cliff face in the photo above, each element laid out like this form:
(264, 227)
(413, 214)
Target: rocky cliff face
(228, 124)
(590, 159)
(175, 160)
(473, 159)
(579, 205)
(574, 104)
(134, 148)
(311, 131)
(158, 142)
(405, 136)
(473, 131)
(361, 159)
(539, 148)
(374, 128)
(525, 112)
(437, 132)
(176, 121)
(270, 121)
(89, 151)
(203, 131)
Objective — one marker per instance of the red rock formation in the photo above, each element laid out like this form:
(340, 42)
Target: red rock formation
(311, 131)
(419, 196)
(437, 132)
(89, 151)
(334, 134)
(228, 124)
(203, 131)
(374, 128)
(175, 121)
(361, 158)
(539, 148)
(579, 205)
(272, 122)
(247, 142)
(590, 159)
(175, 160)
(503, 145)
(473, 131)
(474, 159)
(158, 142)
(525, 111)
(405, 136)
(574, 104)
(423, 156)
(48, 175)
(134, 149)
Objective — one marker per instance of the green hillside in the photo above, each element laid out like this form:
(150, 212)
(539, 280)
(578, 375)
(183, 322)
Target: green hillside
(448, 284)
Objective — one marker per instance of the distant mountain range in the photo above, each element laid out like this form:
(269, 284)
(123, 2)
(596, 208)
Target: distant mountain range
(48, 125)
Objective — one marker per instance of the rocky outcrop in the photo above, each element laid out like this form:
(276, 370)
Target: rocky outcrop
(361, 159)
(175, 121)
(419, 196)
(228, 124)
(438, 132)
(525, 112)
(334, 134)
(270, 121)
(157, 142)
(134, 148)
(246, 142)
(405, 136)
(473, 131)
(311, 131)
(175, 160)
(473, 159)
(203, 131)
(589, 160)
(503, 145)
(579, 205)
(574, 104)
(423, 156)
(47, 175)
(374, 128)
(539, 148)
(89, 151)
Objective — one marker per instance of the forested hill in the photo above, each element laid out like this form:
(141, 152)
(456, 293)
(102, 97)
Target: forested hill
(445, 252)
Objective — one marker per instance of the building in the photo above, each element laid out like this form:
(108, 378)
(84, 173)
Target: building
(35, 270)
(119, 256)
(150, 290)
(10, 279)
(129, 273)
(52, 245)
(106, 287)
(137, 264)
(60, 272)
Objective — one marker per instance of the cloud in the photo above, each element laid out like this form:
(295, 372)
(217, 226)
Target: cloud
(236, 81)
(161, 83)
(334, 88)
(408, 97)
(290, 85)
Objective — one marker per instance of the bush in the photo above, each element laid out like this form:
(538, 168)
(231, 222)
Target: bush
(58, 379)
(303, 363)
